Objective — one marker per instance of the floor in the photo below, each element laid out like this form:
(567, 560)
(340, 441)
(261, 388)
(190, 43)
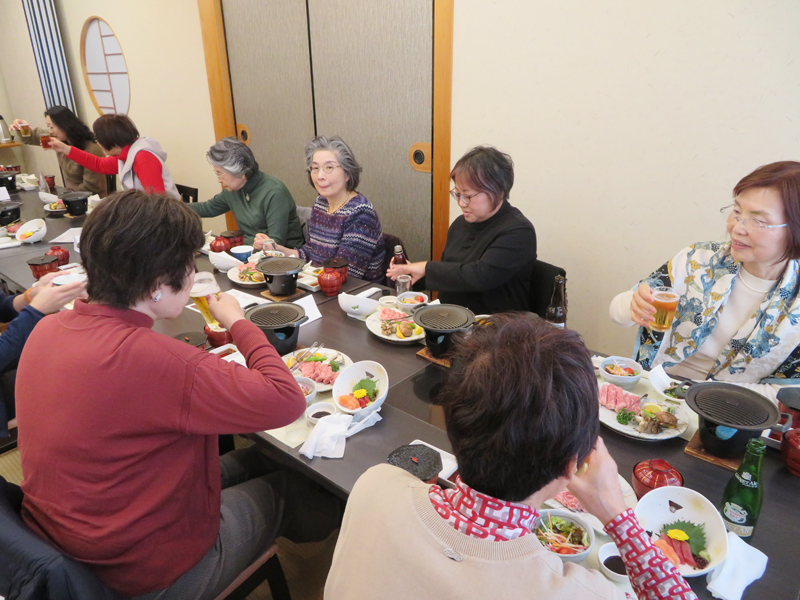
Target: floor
(305, 565)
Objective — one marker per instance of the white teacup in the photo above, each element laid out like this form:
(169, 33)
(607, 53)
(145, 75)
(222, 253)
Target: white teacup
(388, 301)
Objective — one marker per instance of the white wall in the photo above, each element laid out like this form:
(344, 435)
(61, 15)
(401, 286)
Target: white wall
(629, 123)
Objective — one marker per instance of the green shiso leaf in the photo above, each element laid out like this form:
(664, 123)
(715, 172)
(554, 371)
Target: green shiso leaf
(696, 533)
(369, 385)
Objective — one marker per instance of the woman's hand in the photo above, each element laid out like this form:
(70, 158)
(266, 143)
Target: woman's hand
(416, 270)
(49, 298)
(598, 488)
(59, 146)
(260, 240)
(642, 309)
(225, 309)
(17, 124)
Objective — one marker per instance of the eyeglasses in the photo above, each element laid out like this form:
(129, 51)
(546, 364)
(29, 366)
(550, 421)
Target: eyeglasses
(462, 198)
(749, 223)
(220, 173)
(328, 168)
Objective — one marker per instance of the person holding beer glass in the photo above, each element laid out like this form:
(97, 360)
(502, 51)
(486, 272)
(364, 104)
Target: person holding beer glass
(119, 439)
(64, 126)
(737, 302)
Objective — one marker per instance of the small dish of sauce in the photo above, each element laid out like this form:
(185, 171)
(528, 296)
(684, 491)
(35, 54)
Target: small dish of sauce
(615, 565)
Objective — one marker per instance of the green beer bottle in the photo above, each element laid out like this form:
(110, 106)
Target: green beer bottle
(741, 502)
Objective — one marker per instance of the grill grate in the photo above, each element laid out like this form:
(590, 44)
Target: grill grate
(732, 406)
(444, 318)
(280, 265)
(275, 315)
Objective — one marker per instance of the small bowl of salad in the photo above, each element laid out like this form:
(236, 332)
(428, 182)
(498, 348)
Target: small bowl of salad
(308, 387)
(409, 302)
(621, 371)
(562, 533)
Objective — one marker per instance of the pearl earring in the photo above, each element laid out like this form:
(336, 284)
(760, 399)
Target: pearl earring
(157, 297)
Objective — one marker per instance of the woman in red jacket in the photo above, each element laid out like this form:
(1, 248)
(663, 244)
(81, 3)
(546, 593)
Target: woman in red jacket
(139, 161)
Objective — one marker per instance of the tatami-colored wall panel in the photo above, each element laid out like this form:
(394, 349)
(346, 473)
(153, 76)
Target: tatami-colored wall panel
(373, 86)
(271, 81)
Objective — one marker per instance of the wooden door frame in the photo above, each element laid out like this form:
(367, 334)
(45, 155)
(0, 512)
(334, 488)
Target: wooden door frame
(219, 88)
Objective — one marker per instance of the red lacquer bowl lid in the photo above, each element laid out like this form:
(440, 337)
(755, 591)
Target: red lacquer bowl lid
(656, 472)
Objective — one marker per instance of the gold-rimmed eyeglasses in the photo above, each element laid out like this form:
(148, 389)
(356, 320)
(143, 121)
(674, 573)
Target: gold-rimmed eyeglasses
(327, 168)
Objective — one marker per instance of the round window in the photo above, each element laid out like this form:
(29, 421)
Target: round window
(104, 69)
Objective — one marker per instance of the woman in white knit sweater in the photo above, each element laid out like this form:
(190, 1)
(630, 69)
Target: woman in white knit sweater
(739, 307)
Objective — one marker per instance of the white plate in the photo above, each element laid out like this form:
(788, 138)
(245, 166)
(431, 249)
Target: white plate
(58, 211)
(330, 353)
(609, 418)
(374, 325)
(627, 494)
(233, 275)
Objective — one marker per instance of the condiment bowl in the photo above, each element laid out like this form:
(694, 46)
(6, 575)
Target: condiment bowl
(38, 226)
(544, 516)
(666, 505)
(605, 552)
(365, 369)
(326, 407)
(626, 382)
(311, 385)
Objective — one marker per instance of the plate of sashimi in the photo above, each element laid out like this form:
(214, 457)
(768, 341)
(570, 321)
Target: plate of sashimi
(567, 501)
(323, 366)
(394, 326)
(641, 417)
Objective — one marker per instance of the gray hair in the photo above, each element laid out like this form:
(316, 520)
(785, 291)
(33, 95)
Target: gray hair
(343, 153)
(233, 156)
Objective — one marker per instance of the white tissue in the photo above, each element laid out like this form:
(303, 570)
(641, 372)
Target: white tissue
(327, 439)
(743, 565)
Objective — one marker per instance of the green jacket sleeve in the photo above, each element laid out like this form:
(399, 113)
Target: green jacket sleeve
(277, 215)
(215, 207)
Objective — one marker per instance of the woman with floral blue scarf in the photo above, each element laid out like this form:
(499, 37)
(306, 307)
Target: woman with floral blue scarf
(738, 316)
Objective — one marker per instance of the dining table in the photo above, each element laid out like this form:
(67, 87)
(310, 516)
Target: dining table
(411, 412)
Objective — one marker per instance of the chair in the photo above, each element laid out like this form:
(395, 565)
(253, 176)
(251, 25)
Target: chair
(32, 569)
(543, 280)
(188, 194)
(389, 242)
(111, 184)
(304, 213)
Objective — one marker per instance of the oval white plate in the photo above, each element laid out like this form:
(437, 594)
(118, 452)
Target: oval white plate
(330, 353)
(374, 325)
(233, 275)
(609, 418)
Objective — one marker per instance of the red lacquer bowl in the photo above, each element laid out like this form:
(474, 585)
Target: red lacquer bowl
(790, 451)
(654, 473)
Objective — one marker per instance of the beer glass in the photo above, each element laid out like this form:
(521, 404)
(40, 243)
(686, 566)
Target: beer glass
(665, 299)
(44, 140)
(25, 130)
(205, 285)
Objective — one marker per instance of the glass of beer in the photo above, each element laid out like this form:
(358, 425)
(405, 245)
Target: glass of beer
(665, 299)
(44, 140)
(205, 285)
(25, 130)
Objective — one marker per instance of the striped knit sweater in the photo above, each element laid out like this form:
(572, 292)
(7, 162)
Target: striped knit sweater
(352, 232)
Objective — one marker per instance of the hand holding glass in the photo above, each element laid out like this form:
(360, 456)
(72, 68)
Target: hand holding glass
(665, 299)
(205, 285)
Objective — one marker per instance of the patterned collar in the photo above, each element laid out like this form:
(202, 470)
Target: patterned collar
(481, 516)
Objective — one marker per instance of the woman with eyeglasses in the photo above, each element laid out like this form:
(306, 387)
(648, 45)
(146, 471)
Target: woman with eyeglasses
(490, 250)
(739, 300)
(259, 202)
(343, 222)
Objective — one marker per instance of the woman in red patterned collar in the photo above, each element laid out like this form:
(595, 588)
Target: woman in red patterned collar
(522, 415)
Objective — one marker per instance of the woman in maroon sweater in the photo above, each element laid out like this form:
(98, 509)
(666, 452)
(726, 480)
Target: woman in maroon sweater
(119, 439)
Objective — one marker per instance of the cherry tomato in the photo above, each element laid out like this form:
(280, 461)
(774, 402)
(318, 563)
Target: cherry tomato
(628, 370)
(567, 551)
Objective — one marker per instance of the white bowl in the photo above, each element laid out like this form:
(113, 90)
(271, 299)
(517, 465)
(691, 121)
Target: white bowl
(626, 382)
(388, 302)
(409, 308)
(95, 200)
(68, 278)
(653, 512)
(355, 373)
(310, 384)
(223, 261)
(568, 516)
(326, 406)
(606, 551)
(257, 256)
(357, 307)
(37, 225)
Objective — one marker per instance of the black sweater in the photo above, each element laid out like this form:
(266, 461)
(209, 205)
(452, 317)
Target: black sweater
(486, 266)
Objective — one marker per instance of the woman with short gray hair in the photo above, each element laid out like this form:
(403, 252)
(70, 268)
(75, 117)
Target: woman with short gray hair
(343, 222)
(259, 202)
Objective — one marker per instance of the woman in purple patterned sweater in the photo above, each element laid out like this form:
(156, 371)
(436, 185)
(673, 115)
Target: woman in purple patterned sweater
(343, 222)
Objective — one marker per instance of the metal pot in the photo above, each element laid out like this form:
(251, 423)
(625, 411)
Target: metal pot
(440, 322)
(280, 322)
(280, 273)
(730, 416)
(77, 203)
(8, 180)
(9, 212)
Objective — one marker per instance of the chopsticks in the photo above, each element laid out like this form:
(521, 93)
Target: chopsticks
(299, 359)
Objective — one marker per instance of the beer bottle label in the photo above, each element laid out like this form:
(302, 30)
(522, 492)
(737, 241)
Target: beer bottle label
(735, 513)
(741, 530)
(746, 480)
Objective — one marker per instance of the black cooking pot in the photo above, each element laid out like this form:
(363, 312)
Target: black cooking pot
(280, 273)
(9, 212)
(280, 322)
(730, 416)
(8, 180)
(77, 203)
(441, 322)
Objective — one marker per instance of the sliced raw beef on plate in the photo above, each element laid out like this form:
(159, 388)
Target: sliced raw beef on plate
(568, 500)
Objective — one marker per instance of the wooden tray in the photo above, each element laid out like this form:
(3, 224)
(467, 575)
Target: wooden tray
(426, 354)
(288, 298)
(695, 448)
